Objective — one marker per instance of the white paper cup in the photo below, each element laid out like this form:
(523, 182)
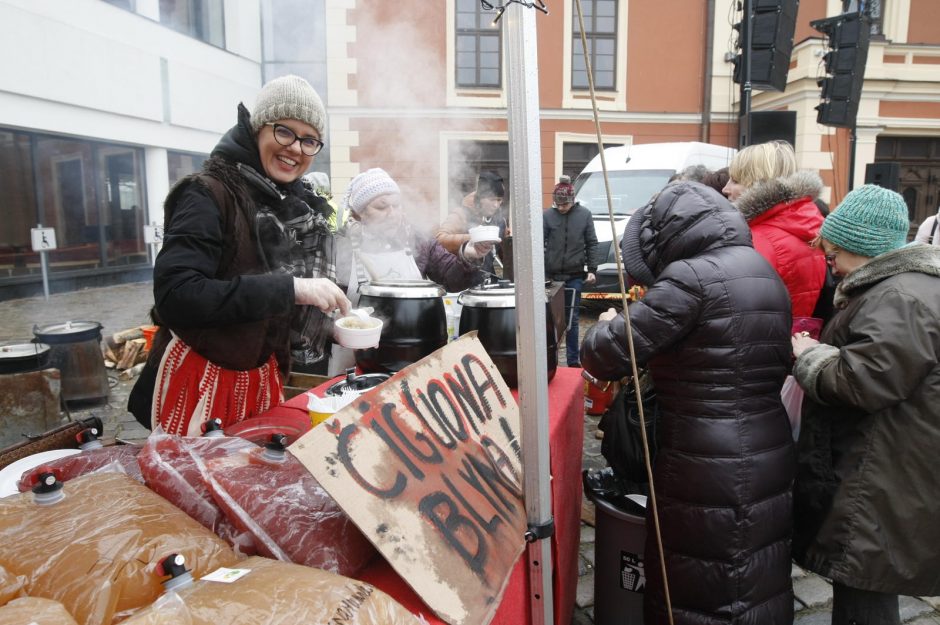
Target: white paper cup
(356, 333)
(484, 234)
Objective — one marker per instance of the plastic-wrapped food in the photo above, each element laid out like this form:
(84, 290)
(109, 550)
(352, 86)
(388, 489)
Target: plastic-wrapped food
(95, 548)
(274, 497)
(35, 611)
(116, 458)
(173, 467)
(276, 593)
(11, 585)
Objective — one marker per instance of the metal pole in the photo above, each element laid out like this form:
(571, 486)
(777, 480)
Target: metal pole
(528, 259)
(744, 130)
(44, 267)
(851, 157)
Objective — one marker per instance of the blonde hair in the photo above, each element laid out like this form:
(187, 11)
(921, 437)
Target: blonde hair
(764, 161)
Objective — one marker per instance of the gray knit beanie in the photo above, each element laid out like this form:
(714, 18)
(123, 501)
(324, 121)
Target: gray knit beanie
(871, 220)
(367, 186)
(288, 97)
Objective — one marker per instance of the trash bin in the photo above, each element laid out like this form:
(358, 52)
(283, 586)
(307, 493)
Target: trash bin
(619, 576)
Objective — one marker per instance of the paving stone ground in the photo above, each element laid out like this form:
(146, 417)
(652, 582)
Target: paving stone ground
(125, 306)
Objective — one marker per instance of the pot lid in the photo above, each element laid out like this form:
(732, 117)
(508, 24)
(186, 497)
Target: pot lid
(69, 327)
(21, 350)
(499, 295)
(405, 289)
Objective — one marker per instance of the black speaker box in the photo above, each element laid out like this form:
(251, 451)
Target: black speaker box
(886, 174)
(773, 126)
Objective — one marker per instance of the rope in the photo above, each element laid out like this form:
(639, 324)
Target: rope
(626, 314)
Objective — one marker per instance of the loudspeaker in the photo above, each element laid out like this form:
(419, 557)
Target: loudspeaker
(848, 36)
(772, 29)
(772, 126)
(886, 174)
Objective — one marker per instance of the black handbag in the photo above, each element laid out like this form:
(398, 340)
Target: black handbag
(622, 445)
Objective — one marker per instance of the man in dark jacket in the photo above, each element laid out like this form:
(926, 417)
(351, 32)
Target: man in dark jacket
(570, 248)
(713, 330)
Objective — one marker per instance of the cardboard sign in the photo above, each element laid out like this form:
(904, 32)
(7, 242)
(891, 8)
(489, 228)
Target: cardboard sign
(428, 466)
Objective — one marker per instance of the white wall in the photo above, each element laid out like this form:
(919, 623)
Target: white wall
(85, 67)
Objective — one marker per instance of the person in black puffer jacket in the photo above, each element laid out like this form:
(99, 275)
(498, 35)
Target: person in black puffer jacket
(245, 272)
(713, 330)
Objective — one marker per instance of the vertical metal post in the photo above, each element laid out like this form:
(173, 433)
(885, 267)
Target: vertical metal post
(525, 175)
(44, 267)
(747, 36)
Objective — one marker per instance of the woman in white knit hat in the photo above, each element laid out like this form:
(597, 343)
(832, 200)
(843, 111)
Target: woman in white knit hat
(378, 242)
(246, 270)
(866, 511)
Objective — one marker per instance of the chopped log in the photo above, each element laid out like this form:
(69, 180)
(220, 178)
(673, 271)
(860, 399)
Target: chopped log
(131, 348)
(127, 335)
(109, 352)
(143, 353)
(133, 372)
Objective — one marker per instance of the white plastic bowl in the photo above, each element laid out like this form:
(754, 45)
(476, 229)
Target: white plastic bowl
(348, 332)
(484, 234)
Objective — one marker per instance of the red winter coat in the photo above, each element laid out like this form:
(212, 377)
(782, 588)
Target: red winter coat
(783, 221)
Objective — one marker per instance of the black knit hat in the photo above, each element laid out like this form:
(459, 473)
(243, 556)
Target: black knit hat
(633, 260)
(490, 184)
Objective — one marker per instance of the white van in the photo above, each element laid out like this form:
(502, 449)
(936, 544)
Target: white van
(635, 173)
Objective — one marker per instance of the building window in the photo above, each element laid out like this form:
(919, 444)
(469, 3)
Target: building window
(576, 156)
(91, 193)
(600, 30)
(182, 164)
(479, 46)
(872, 7)
(465, 161)
(202, 19)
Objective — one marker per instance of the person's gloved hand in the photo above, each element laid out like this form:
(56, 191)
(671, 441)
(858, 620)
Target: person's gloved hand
(321, 293)
(475, 252)
(607, 315)
(591, 278)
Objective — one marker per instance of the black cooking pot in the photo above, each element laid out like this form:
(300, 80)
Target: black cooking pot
(23, 355)
(415, 323)
(491, 311)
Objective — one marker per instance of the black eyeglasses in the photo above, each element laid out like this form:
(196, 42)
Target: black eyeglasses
(286, 137)
(831, 257)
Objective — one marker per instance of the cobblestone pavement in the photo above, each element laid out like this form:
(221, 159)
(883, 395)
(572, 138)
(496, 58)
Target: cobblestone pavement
(125, 306)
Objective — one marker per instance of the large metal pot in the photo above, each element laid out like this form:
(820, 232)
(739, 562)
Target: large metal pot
(415, 323)
(23, 355)
(491, 311)
(75, 350)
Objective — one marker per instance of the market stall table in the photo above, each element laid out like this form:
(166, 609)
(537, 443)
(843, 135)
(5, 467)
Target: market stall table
(566, 414)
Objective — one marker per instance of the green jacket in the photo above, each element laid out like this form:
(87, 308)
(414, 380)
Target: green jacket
(866, 499)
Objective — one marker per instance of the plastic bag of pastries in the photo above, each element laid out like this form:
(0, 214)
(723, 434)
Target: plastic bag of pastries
(35, 611)
(275, 593)
(93, 542)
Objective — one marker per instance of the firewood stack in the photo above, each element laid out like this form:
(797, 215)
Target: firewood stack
(126, 351)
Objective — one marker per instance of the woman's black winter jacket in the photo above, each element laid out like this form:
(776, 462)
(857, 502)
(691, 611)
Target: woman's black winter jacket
(714, 331)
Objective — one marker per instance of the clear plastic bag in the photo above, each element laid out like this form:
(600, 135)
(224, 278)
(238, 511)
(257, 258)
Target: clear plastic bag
(95, 550)
(115, 458)
(35, 611)
(276, 593)
(289, 515)
(792, 397)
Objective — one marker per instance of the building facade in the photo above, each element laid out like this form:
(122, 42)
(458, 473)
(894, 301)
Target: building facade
(133, 94)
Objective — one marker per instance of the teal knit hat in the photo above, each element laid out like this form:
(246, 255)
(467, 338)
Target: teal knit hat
(871, 220)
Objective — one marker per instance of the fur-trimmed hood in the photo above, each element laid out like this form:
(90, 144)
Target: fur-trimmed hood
(914, 257)
(764, 195)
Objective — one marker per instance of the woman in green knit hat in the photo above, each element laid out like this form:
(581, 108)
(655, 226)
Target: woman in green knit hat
(866, 507)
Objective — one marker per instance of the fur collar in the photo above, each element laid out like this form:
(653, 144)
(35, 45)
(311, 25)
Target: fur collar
(914, 257)
(764, 195)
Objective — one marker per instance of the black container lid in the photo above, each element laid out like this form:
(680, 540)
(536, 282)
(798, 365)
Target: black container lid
(402, 289)
(68, 332)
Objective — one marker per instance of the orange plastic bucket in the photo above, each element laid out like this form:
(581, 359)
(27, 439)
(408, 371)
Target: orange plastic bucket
(149, 332)
(597, 394)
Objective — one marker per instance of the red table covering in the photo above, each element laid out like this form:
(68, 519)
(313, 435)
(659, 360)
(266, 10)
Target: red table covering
(565, 422)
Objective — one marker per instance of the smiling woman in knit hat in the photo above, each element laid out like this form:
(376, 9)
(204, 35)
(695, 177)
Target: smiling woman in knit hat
(245, 273)
(869, 436)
